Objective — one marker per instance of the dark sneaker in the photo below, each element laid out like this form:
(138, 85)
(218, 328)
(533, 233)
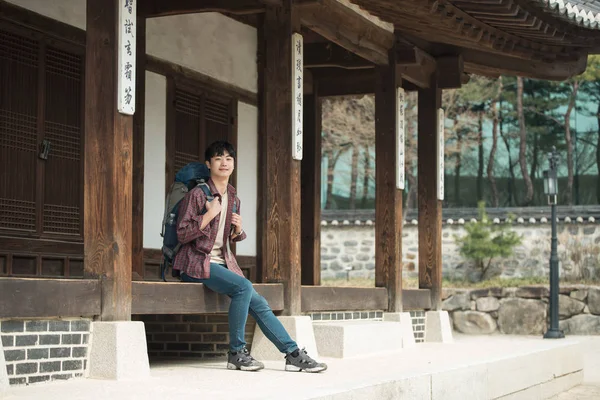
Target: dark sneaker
(243, 360)
(299, 360)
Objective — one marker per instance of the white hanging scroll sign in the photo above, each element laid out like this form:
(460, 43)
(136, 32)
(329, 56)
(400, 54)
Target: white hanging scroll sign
(297, 95)
(400, 124)
(440, 163)
(126, 57)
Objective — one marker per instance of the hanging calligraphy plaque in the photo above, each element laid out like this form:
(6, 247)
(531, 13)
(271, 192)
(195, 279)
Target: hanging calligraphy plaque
(297, 95)
(400, 122)
(440, 163)
(126, 57)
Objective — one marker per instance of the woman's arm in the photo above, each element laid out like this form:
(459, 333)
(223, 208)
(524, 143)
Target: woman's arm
(191, 224)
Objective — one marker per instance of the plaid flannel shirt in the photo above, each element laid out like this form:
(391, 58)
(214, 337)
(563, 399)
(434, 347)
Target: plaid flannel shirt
(193, 257)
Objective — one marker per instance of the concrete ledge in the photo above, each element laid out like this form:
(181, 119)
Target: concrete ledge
(300, 329)
(3, 373)
(345, 339)
(437, 327)
(118, 351)
(491, 367)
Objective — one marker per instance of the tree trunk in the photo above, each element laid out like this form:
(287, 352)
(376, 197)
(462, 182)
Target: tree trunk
(523, 144)
(534, 157)
(354, 177)
(330, 167)
(480, 156)
(367, 168)
(568, 196)
(459, 144)
(598, 156)
(411, 195)
(491, 161)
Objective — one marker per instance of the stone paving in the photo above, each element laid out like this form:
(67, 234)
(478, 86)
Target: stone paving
(436, 371)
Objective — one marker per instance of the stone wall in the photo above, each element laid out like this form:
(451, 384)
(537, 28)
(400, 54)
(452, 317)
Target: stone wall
(523, 311)
(44, 350)
(352, 246)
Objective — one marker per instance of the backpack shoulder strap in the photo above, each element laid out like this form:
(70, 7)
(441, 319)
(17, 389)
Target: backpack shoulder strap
(206, 189)
(235, 208)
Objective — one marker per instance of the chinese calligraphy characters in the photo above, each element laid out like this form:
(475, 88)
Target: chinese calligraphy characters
(297, 95)
(126, 56)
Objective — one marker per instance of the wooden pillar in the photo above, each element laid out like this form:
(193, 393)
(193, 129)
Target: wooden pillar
(280, 206)
(311, 191)
(108, 158)
(430, 208)
(138, 152)
(388, 206)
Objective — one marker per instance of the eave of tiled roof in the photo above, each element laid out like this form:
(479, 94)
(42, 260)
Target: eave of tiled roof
(585, 13)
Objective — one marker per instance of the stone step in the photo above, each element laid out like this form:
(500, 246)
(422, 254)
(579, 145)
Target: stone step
(344, 339)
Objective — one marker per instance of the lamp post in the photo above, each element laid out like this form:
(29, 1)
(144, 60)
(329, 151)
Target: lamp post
(551, 190)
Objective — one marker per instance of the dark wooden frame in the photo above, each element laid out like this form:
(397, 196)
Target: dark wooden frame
(46, 38)
(47, 298)
(43, 298)
(38, 244)
(191, 298)
(326, 298)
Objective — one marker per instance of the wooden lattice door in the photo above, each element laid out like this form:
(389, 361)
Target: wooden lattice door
(19, 132)
(41, 142)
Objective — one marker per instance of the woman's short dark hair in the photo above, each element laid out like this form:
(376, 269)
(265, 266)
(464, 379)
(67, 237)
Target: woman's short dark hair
(219, 148)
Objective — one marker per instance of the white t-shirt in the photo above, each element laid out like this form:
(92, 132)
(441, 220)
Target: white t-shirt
(216, 255)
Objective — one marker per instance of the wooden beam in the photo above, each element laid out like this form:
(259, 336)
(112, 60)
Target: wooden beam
(450, 72)
(494, 65)
(388, 206)
(108, 169)
(47, 298)
(430, 208)
(410, 55)
(326, 298)
(191, 298)
(310, 184)
(415, 74)
(338, 82)
(320, 55)
(137, 256)
(414, 64)
(281, 262)
(161, 8)
(348, 28)
(169, 69)
(40, 246)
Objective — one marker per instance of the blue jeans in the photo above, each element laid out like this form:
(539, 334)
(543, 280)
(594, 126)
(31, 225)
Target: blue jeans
(244, 300)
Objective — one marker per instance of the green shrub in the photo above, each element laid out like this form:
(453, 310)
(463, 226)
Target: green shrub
(485, 241)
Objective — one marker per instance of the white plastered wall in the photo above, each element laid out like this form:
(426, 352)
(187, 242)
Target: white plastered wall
(70, 12)
(209, 43)
(154, 158)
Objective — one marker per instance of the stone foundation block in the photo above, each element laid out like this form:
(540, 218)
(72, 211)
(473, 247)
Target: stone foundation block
(300, 329)
(408, 336)
(437, 327)
(118, 351)
(345, 339)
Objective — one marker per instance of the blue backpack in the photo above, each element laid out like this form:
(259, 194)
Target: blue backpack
(187, 178)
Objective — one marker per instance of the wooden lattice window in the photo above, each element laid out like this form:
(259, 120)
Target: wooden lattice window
(41, 97)
(195, 119)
